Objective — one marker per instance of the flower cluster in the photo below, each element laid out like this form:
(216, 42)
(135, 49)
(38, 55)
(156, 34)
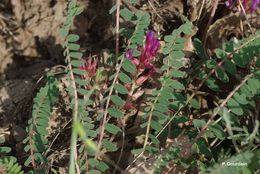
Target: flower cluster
(90, 66)
(253, 4)
(145, 60)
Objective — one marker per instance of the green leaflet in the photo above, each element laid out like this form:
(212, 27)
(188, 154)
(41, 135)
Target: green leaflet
(117, 100)
(211, 82)
(113, 9)
(126, 14)
(177, 73)
(5, 149)
(84, 92)
(81, 82)
(64, 33)
(230, 67)
(115, 112)
(93, 162)
(79, 72)
(94, 172)
(120, 88)
(124, 78)
(221, 74)
(77, 63)
(73, 38)
(241, 98)
(235, 107)
(128, 66)
(176, 85)
(199, 123)
(76, 55)
(102, 166)
(156, 126)
(153, 139)
(112, 128)
(73, 46)
(111, 147)
(195, 103)
(218, 131)
(133, 1)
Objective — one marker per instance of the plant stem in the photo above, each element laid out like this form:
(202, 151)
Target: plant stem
(73, 142)
(102, 129)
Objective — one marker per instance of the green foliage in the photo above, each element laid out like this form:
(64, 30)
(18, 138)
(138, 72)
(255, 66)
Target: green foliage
(80, 95)
(234, 61)
(100, 103)
(233, 56)
(172, 156)
(163, 98)
(37, 142)
(171, 95)
(8, 164)
(125, 70)
(246, 97)
(214, 71)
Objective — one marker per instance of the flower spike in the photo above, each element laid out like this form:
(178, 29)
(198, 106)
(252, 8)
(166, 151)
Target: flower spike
(148, 52)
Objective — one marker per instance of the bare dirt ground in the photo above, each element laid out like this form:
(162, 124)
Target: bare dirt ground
(30, 42)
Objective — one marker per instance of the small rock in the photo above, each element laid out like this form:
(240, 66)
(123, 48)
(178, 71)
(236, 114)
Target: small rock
(18, 133)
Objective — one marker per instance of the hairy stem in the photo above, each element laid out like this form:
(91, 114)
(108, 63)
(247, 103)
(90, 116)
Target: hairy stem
(73, 142)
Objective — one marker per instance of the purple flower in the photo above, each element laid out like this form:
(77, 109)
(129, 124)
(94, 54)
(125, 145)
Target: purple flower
(90, 66)
(151, 44)
(231, 3)
(151, 48)
(148, 52)
(129, 53)
(253, 4)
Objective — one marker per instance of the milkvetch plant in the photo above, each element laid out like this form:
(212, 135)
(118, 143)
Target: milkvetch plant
(145, 109)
